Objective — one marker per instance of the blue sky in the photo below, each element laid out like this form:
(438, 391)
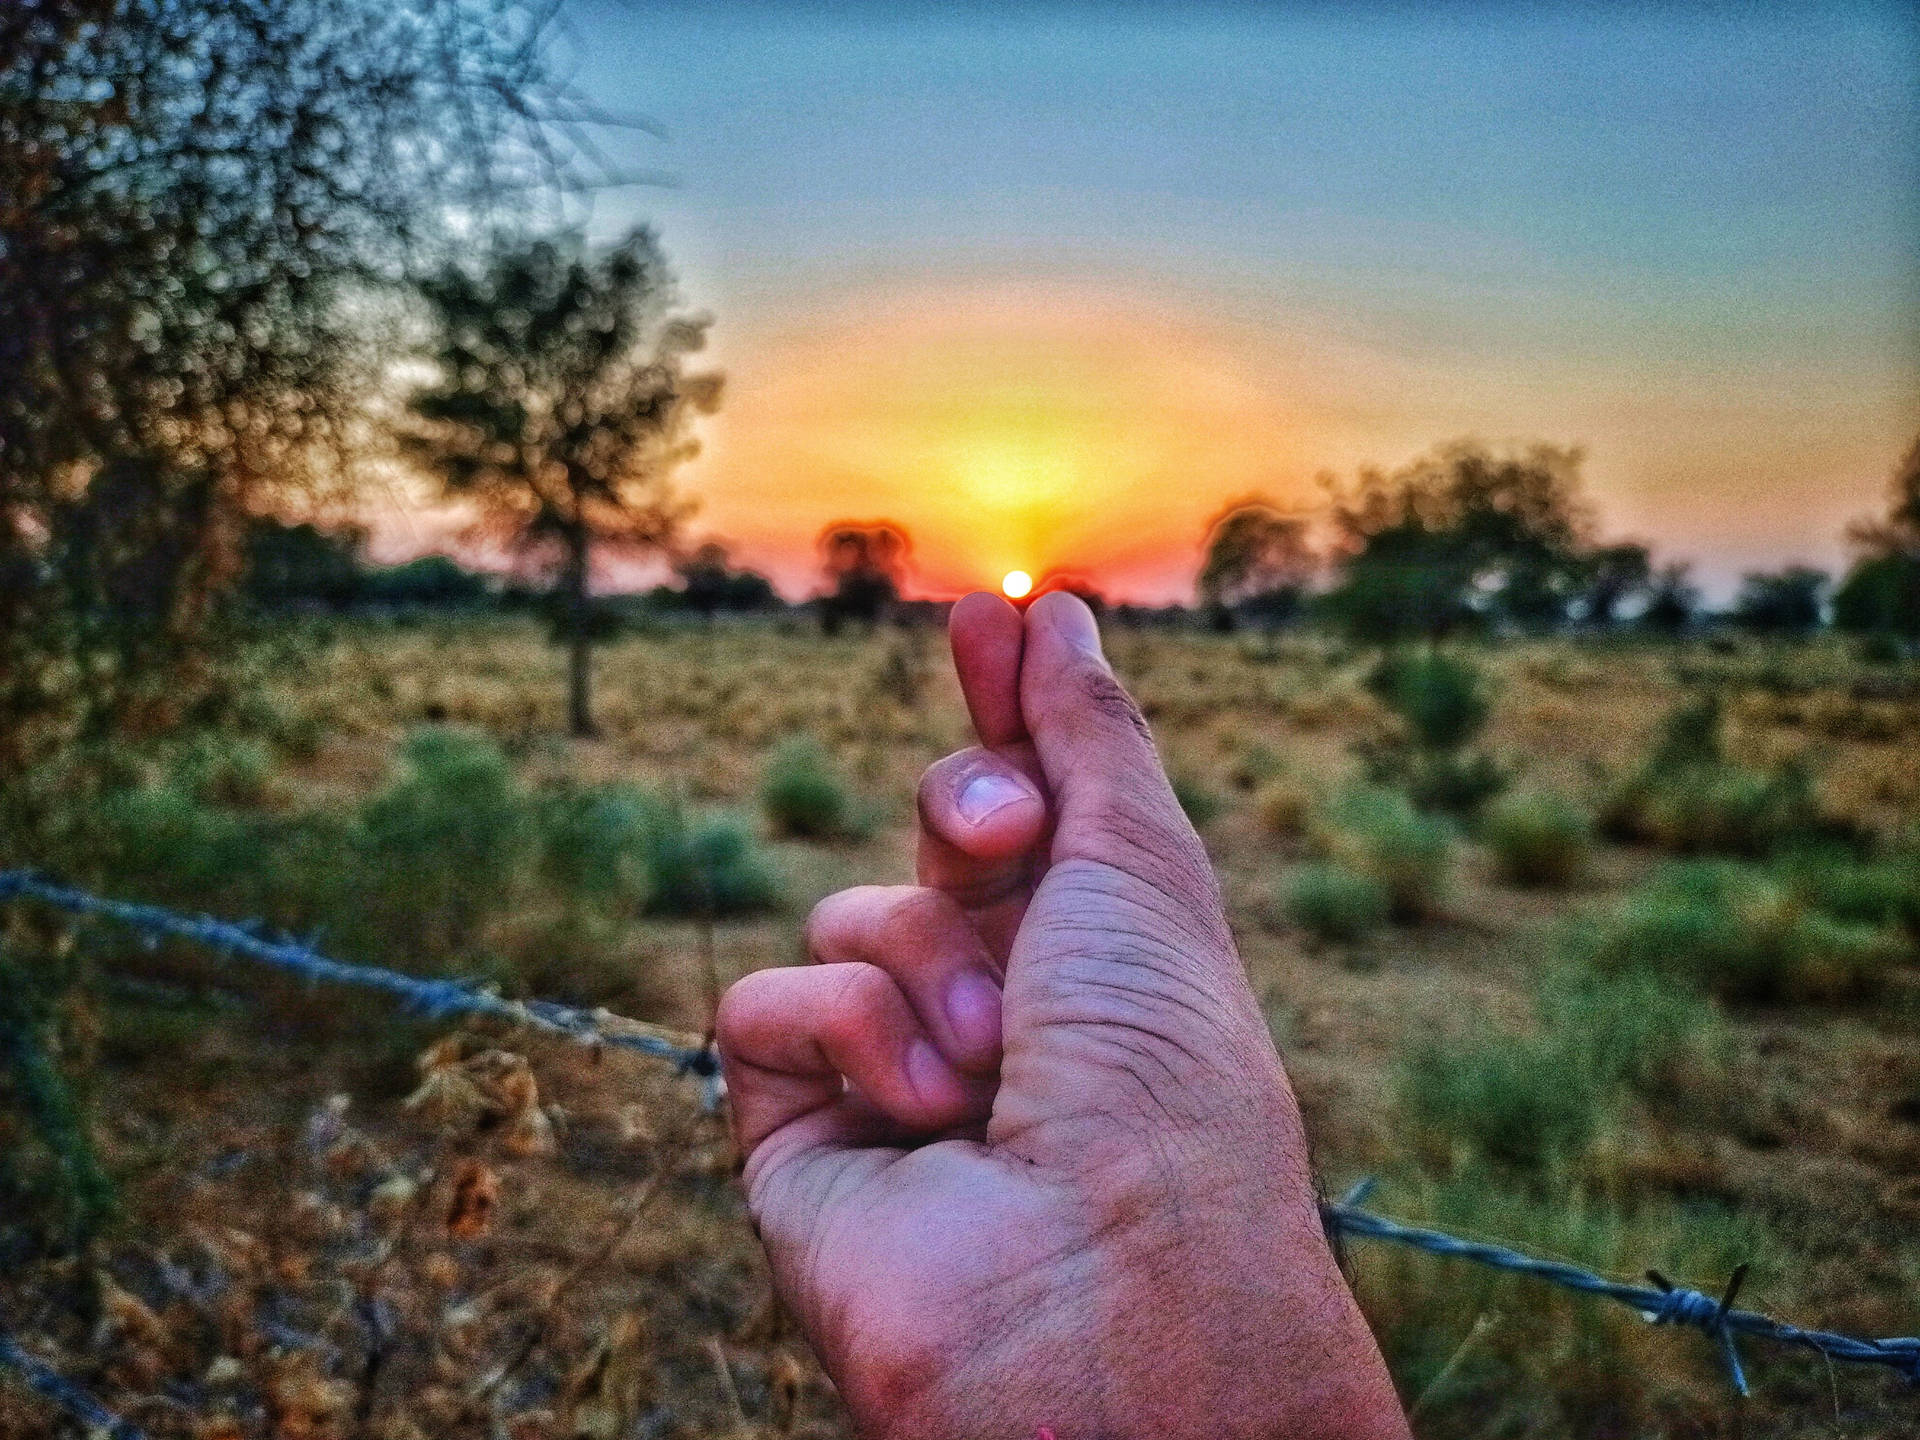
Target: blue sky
(1687, 237)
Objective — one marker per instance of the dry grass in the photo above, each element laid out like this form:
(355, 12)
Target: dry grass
(617, 1245)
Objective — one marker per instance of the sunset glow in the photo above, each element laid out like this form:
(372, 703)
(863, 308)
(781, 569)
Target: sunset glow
(1016, 585)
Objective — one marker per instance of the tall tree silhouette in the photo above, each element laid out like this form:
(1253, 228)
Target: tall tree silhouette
(1881, 593)
(865, 561)
(1258, 559)
(561, 405)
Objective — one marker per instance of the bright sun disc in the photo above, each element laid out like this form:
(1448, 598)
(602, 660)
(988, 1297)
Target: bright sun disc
(1016, 584)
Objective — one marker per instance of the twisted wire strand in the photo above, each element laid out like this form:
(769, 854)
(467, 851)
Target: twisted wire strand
(434, 999)
(43, 1379)
(1659, 1304)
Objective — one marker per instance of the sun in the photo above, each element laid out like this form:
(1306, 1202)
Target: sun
(1016, 584)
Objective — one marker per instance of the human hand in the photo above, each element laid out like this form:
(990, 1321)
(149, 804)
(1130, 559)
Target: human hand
(1018, 1144)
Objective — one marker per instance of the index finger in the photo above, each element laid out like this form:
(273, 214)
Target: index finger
(988, 636)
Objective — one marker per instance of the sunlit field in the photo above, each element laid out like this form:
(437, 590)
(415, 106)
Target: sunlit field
(1650, 1001)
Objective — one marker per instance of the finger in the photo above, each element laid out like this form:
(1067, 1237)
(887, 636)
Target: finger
(794, 1041)
(987, 636)
(1112, 801)
(925, 942)
(981, 818)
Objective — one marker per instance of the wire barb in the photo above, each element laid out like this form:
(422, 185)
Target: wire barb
(1661, 1303)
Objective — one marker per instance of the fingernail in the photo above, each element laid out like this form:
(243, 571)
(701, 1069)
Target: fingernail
(973, 1009)
(1073, 622)
(987, 793)
(932, 1078)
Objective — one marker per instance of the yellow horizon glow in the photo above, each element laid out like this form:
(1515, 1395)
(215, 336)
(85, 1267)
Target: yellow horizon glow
(1086, 434)
(1016, 584)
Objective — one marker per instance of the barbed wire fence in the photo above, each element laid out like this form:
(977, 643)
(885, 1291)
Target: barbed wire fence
(1660, 1302)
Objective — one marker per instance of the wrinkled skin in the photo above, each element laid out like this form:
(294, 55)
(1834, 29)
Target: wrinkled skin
(1020, 1149)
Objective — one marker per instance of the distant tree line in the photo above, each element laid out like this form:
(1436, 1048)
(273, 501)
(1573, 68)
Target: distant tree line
(1473, 540)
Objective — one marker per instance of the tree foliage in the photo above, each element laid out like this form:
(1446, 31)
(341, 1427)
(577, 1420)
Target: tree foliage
(865, 562)
(1259, 560)
(1461, 538)
(196, 198)
(1881, 592)
(561, 403)
(1788, 602)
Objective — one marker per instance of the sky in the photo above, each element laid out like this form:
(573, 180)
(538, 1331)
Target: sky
(1050, 284)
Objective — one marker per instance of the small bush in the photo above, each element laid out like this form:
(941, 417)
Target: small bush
(1635, 1030)
(1442, 701)
(1442, 698)
(1378, 833)
(1882, 893)
(1283, 806)
(803, 796)
(594, 844)
(1518, 1100)
(1735, 932)
(1538, 839)
(444, 842)
(1333, 903)
(1688, 798)
(707, 868)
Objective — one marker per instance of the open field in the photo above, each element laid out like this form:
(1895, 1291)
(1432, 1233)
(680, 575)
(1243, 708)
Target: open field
(1615, 1061)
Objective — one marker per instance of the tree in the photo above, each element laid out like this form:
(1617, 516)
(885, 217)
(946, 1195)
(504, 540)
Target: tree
(1461, 538)
(1673, 600)
(1613, 575)
(561, 405)
(302, 566)
(1786, 603)
(865, 562)
(190, 193)
(1881, 592)
(1258, 560)
(709, 584)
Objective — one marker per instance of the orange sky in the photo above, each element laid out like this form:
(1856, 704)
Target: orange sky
(1096, 426)
(1038, 424)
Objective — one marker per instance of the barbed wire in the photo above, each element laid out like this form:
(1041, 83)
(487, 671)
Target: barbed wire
(1660, 1302)
(43, 1379)
(432, 998)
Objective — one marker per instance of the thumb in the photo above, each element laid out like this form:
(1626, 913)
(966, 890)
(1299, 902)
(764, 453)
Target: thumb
(1113, 801)
(1125, 1003)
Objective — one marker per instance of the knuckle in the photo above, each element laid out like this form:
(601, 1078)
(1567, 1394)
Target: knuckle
(1109, 699)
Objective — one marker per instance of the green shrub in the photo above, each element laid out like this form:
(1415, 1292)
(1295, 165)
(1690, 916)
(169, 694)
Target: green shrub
(1333, 903)
(1442, 698)
(707, 868)
(804, 797)
(1735, 932)
(1688, 798)
(1443, 703)
(444, 843)
(1635, 1030)
(1522, 1101)
(1538, 838)
(1882, 893)
(1378, 834)
(231, 770)
(160, 842)
(595, 841)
